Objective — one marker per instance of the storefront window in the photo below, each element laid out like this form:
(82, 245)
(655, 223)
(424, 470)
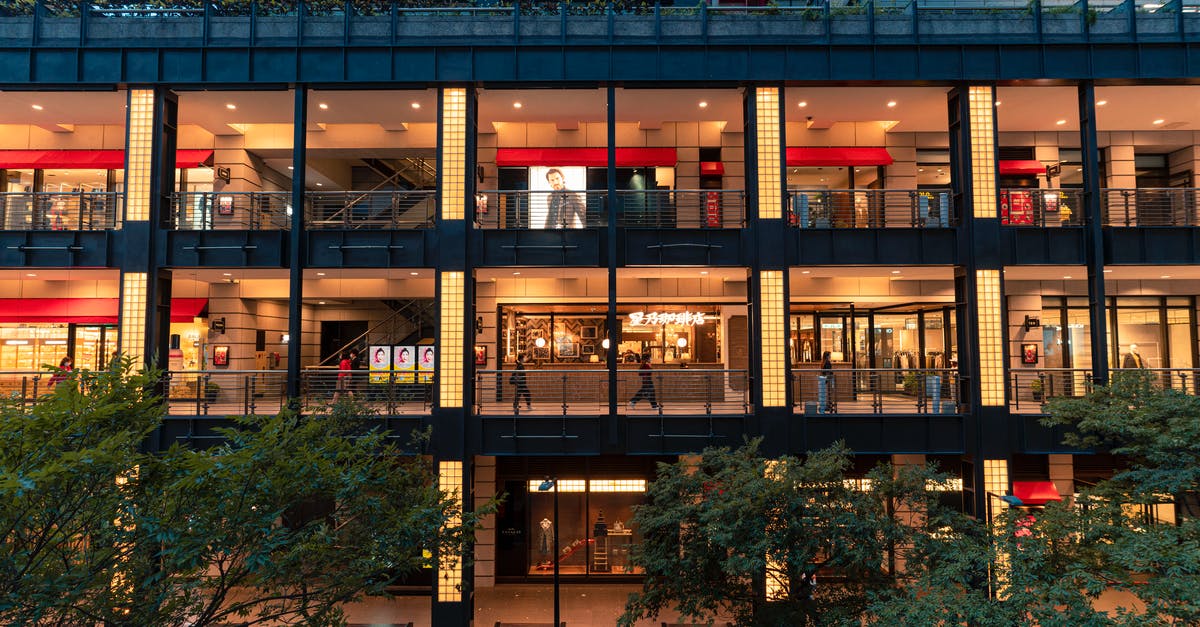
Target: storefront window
(1152, 332)
(595, 531)
(909, 339)
(803, 340)
(30, 347)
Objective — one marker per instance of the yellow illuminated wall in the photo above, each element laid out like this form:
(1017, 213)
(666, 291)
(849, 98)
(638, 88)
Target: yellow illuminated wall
(133, 316)
(450, 576)
(454, 152)
(770, 198)
(450, 358)
(138, 163)
(983, 152)
(772, 328)
(991, 338)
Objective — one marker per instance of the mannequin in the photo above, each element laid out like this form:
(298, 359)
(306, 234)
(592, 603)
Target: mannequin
(1132, 358)
(546, 538)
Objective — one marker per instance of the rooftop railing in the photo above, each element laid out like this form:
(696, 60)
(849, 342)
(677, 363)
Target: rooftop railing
(215, 211)
(875, 391)
(1175, 206)
(682, 208)
(523, 209)
(61, 211)
(870, 209)
(417, 21)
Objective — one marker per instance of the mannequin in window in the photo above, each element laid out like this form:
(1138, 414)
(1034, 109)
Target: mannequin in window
(546, 538)
(1132, 358)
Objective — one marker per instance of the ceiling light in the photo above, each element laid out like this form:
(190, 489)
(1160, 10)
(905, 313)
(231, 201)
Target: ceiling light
(415, 273)
(805, 271)
(1101, 103)
(703, 272)
(703, 104)
(323, 106)
(802, 104)
(320, 302)
(320, 184)
(920, 169)
(1067, 276)
(30, 274)
(37, 107)
(895, 272)
(998, 103)
(1159, 121)
(226, 274)
(1107, 271)
(320, 274)
(516, 105)
(291, 168)
(1166, 276)
(516, 274)
(1061, 122)
(230, 106)
(416, 105)
(891, 103)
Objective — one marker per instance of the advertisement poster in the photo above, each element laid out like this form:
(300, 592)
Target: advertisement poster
(561, 205)
(380, 363)
(405, 362)
(425, 363)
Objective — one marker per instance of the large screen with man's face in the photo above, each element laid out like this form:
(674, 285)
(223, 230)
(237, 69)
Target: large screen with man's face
(557, 201)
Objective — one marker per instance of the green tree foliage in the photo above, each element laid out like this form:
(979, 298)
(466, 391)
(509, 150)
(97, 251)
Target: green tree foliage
(283, 522)
(717, 535)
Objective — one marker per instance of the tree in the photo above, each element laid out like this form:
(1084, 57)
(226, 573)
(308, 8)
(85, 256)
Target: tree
(748, 538)
(284, 521)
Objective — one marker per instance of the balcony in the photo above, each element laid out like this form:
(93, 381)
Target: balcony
(870, 209)
(1029, 390)
(540, 210)
(1041, 207)
(231, 211)
(59, 211)
(682, 209)
(682, 392)
(1150, 207)
(858, 391)
(243, 392)
(393, 209)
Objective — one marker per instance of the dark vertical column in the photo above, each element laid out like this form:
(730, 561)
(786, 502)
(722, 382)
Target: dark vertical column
(751, 256)
(297, 240)
(1094, 239)
(162, 186)
(612, 322)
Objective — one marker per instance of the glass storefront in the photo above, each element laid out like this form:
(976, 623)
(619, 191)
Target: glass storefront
(31, 347)
(1152, 332)
(902, 337)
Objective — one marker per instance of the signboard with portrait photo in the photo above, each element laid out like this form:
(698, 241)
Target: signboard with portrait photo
(404, 359)
(561, 203)
(426, 360)
(380, 362)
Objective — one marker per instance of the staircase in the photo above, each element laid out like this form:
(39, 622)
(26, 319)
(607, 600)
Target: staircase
(410, 321)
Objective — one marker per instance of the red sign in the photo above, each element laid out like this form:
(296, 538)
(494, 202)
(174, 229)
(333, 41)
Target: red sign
(1016, 207)
(712, 209)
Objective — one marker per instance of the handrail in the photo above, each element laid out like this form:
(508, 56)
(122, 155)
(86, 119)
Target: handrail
(540, 209)
(682, 208)
(424, 304)
(1150, 206)
(875, 390)
(870, 208)
(254, 211)
(61, 211)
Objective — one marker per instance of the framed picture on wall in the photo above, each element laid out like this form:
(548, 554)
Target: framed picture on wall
(220, 355)
(541, 353)
(1029, 354)
(480, 355)
(587, 349)
(587, 333)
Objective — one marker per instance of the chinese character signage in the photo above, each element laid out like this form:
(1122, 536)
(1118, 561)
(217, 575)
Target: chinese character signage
(656, 318)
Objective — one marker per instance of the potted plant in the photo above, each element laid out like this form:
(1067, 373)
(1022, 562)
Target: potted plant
(911, 385)
(1038, 388)
(211, 390)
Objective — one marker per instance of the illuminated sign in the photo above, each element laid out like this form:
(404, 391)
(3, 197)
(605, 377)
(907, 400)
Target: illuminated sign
(656, 318)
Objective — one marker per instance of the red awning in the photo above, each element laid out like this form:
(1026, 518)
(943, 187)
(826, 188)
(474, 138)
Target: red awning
(809, 156)
(85, 310)
(1021, 168)
(712, 168)
(88, 159)
(591, 157)
(1035, 492)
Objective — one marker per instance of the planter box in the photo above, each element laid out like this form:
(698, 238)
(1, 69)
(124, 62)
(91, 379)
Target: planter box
(16, 30)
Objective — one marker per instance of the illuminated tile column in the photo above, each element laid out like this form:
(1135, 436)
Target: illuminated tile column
(983, 152)
(995, 476)
(454, 152)
(766, 110)
(772, 326)
(138, 161)
(777, 582)
(991, 338)
(450, 361)
(450, 575)
(133, 316)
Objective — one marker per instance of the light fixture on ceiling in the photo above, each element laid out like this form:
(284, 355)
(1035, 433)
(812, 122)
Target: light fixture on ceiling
(1067, 276)
(895, 272)
(1101, 103)
(416, 105)
(703, 104)
(320, 185)
(516, 274)
(230, 106)
(805, 271)
(1159, 121)
(1107, 271)
(998, 103)
(1061, 122)
(415, 273)
(920, 169)
(891, 103)
(226, 274)
(320, 274)
(517, 105)
(30, 274)
(320, 302)
(291, 168)
(1165, 276)
(37, 107)
(323, 106)
(802, 104)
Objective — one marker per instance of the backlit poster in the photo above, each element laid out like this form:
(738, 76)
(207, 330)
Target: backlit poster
(405, 361)
(380, 362)
(557, 200)
(425, 363)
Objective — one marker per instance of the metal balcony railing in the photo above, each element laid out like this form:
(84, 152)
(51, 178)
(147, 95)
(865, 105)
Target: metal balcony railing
(240, 211)
(523, 209)
(875, 391)
(226, 392)
(21, 386)
(585, 392)
(1030, 389)
(870, 209)
(1175, 206)
(61, 211)
(1041, 207)
(682, 208)
(394, 209)
(388, 392)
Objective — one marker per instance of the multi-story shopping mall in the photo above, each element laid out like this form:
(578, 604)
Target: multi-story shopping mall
(967, 211)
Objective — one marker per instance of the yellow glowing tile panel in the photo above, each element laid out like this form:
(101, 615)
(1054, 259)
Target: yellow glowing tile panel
(450, 359)
(995, 476)
(770, 198)
(564, 486)
(138, 142)
(133, 316)
(772, 326)
(983, 151)
(454, 152)
(991, 338)
(450, 575)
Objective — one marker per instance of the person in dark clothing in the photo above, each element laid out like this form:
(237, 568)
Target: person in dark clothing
(827, 375)
(520, 387)
(565, 211)
(646, 391)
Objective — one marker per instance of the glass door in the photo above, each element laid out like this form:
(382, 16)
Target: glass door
(94, 346)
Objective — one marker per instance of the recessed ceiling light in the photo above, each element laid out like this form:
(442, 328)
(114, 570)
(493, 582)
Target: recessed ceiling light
(415, 273)
(1067, 276)
(1107, 271)
(226, 274)
(230, 106)
(1101, 103)
(516, 274)
(320, 302)
(320, 274)
(920, 169)
(858, 169)
(416, 105)
(30, 274)
(703, 104)
(1061, 122)
(291, 168)
(805, 271)
(320, 184)
(802, 104)
(998, 103)
(1159, 121)
(516, 105)
(37, 107)
(1166, 276)
(891, 103)
(323, 106)
(704, 272)
(895, 272)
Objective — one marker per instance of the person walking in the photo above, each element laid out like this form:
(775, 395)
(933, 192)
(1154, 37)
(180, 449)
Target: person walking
(520, 387)
(646, 391)
(64, 367)
(345, 371)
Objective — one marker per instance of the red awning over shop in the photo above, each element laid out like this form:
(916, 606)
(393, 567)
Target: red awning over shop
(88, 159)
(591, 157)
(1035, 492)
(712, 168)
(85, 310)
(810, 156)
(1021, 168)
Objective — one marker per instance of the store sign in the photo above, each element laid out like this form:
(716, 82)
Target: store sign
(656, 318)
